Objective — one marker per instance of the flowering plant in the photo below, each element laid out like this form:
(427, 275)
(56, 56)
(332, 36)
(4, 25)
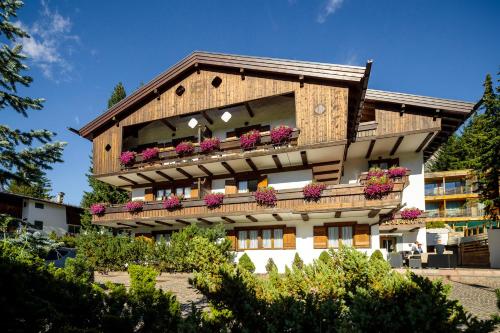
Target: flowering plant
(250, 139)
(376, 172)
(184, 148)
(97, 209)
(134, 206)
(210, 144)
(127, 157)
(266, 196)
(281, 134)
(214, 200)
(150, 153)
(377, 187)
(410, 213)
(312, 192)
(397, 172)
(173, 202)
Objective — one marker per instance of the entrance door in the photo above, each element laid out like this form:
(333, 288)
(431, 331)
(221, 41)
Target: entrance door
(388, 243)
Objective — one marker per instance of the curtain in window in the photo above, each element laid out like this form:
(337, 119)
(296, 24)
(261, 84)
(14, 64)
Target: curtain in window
(242, 239)
(347, 235)
(266, 238)
(333, 237)
(254, 241)
(242, 186)
(278, 238)
(187, 192)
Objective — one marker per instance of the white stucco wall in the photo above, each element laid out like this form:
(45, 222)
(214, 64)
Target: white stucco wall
(437, 236)
(53, 216)
(290, 180)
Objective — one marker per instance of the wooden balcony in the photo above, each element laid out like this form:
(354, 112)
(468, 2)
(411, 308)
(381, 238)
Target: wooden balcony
(335, 200)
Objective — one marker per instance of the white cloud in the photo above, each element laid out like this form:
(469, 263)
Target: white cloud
(328, 8)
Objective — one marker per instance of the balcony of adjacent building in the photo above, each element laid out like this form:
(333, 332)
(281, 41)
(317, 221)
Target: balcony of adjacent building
(457, 188)
(454, 210)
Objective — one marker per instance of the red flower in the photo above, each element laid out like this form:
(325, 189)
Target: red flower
(397, 172)
(97, 209)
(266, 196)
(173, 202)
(214, 200)
(134, 206)
(150, 153)
(378, 187)
(410, 213)
(184, 148)
(312, 192)
(210, 144)
(127, 157)
(281, 134)
(250, 139)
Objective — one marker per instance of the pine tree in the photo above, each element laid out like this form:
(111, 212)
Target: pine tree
(40, 189)
(19, 161)
(117, 95)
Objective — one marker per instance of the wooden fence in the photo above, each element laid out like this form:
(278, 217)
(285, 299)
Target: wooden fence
(474, 252)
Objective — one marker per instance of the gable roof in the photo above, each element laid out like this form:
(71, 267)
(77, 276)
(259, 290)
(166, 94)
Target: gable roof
(350, 74)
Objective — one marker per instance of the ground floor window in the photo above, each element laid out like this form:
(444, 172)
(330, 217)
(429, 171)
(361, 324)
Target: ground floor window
(339, 234)
(262, 238)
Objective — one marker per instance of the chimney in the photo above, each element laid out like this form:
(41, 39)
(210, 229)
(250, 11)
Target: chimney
(60, 197)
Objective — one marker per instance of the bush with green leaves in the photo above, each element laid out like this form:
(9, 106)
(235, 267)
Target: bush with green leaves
(377, 255)
(246, 263)
(271, 266)
(297, 261)
(324, 257)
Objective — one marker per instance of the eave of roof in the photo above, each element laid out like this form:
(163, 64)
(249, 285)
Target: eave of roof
(323, 71)
(38, 199)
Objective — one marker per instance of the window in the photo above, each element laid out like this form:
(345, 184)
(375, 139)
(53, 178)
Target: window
(278, 238)
(185, 191)
(333, 237)
(39, 205)
(242, 239)
(260, 238)
(383, 163)
(433, 188)
(340, 234)
(163, 193)
(347, 235)
(249, 185)
(254, 239)
(266, 239)
(38, 225)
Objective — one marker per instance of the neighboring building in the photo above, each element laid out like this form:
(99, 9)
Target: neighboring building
(340, 130)
(45, 215)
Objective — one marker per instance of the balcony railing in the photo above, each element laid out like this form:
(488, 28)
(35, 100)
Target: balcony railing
(454, 212)
(449, 191)
(230, 145)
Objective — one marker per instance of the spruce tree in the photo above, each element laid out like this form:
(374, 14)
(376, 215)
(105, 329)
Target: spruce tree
(117, 95)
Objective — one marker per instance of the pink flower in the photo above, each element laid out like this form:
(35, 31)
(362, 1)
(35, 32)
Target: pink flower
(266, 196)
(97, 209)
(281, 134)
(378, 187)
(150, 153)
(210, 144)
(250, 139)
(410, 213)
(127, 157)
(397, 172)
(214, 200)
(184, 148)
(376, 172)
(312, 192)
(134, 206)
(173, 202)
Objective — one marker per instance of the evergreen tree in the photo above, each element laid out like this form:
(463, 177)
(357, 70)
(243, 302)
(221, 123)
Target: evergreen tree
(117, 95)
(19, 161)
(40, 189)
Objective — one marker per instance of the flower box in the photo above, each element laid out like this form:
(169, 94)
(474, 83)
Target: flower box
(97, 209)
(173, 202)
(184, 148)
(134, 206)
(410, 214)
(266, 196)
(378, 187)
(149, 154)
(210, 144)
(397, 172)
(312, 192)
(281, 134)
(250, 139)
(127, 158)
(214, 200)
(376, 172)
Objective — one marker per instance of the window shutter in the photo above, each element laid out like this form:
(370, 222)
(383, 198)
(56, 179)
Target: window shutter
(262, 181)
(230, 186)
(362, 235)
(320, 238)
(231, 235)
(148, 194)
(194, 190)
(289, 238)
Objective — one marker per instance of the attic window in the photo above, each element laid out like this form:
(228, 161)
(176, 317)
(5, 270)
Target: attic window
(180, 90)
(108, 147)
(216, 82)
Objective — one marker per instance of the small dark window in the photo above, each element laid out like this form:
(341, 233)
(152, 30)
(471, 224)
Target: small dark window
(383, 163)
(39, 225)
(24, 204)
(216, 82)
(180, 90)
(248, 185)
(108, 147)
(39, 205)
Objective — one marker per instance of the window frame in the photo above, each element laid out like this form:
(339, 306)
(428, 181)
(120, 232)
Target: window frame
(39, 205)
(340, 226)
(390, 162)
(259, 230)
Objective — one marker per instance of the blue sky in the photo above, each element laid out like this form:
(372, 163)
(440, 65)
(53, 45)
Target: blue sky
(81, 49)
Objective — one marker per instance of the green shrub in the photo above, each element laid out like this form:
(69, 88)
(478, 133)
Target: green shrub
(271, 266)
(435, 225)
(246, 263)
(325, 257)
(377, 255)
(297, 261)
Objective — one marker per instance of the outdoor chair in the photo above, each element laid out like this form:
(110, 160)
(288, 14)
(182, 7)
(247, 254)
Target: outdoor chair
(415, 261)
(396, 260)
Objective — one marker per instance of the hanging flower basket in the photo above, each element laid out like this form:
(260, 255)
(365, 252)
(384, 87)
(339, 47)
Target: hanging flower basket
(184, 148)
(210, 144)
(312, 192)
(97, 209)
(127, 158)
(173, 202)
(134, 206)
(250, 139)
(397, 172)
(378, 187)
(376, 172)
(266, 196)
(281, 135)
(149, 154)
(411, 214)
(214, 200)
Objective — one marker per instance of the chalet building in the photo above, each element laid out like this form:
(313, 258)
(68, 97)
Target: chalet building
(308, 123)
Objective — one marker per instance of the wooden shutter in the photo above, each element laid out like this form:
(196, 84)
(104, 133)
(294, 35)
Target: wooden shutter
(320, 237)
(231, 235)
(262, 181)
(362, 235)
(148, 194)
(195, 192)
(289, 238)
(230, 186)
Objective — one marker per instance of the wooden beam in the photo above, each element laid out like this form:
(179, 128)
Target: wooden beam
(227, 219)
(277, 217)
(301, 80)
(128, 180)
(277, 161)
(414, 229)
(205, 170)
(424, 142)
(338, 214)
(373, 213)
(151, 180)
(393, 230)
(305, 217)
(228, 167)
(249, 110)
(402, 110)
(205, 221)
(251, 164)
(183, 222)
(164, 223)
(185, 173)
(370, 149)
(145, 224)
(303, 156)
(251, 218)
(164, 175)
(396, 145)
(126, 225)
(168, 124)
(242, 73)
(207, 117)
